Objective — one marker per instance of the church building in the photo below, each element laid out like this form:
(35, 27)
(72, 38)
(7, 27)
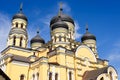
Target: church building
(61, 58)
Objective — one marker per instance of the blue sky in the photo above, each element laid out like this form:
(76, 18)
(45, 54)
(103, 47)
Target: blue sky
(102, 16)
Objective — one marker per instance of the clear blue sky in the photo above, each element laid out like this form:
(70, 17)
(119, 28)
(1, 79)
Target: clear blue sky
(102, 16)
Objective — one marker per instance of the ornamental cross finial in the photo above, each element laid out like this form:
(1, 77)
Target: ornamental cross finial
(86, 27)
(61, 5)
(38, 30)
(21, 6)
(61, 8)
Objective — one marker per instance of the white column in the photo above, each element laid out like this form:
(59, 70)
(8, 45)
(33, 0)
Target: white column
(53, 73)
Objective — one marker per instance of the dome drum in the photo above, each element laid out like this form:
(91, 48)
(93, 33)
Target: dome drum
(36, 45)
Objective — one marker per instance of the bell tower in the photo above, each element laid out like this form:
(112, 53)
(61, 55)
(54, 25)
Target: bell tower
(18, 33)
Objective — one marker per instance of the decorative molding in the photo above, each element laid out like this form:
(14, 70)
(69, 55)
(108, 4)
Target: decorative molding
(80, 75)
(83, 46)
(20, 63)
(29, 50)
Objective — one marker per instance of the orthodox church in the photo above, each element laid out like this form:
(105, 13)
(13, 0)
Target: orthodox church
(61, 58)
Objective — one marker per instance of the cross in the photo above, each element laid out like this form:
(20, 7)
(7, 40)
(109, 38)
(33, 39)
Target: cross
(38, 30)
(86, 27)
(60, 6)
(21, 6)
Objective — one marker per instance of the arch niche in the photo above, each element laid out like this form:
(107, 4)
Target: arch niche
(85, 52)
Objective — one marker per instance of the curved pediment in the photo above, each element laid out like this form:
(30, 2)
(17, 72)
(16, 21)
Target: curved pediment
(85, 52)
(111, 72)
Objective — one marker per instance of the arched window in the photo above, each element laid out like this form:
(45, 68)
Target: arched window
(50, 76)
(55, 38)
(22, 77)
(60, 38)
(70, 75)
(37, 76)
(91, 48)
(33, 76)
(16, 24)
(111, 78)
(56, 76)
(102, 78)
(14, 40)
(21, 41)
(65, 39)
(22, 25)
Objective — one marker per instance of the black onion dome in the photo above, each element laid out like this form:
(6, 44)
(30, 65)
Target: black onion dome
(37, 38)
(20, 15)
(59, 24)
(87, 36)
(63, 18)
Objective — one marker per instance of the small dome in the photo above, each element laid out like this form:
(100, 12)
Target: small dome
(63, 18)
(59, 23)
(20, 15)
(87, 36)
(37, 38)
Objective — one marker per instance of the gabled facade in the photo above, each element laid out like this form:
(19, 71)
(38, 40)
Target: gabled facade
(62, 58)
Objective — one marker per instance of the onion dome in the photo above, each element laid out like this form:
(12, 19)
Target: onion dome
(88, 36)
(20, 15)
(37, 39)
(59, 24)
(64, 17)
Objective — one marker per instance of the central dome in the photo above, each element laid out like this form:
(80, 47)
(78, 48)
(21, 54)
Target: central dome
(64, 17)
(59, 24)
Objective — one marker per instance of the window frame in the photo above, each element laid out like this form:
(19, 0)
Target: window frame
(22, 77)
